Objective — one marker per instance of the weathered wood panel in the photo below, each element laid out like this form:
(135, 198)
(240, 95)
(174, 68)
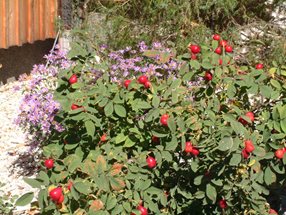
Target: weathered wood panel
(23, 21)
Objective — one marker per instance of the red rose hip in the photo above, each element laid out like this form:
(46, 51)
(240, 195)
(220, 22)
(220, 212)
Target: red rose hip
(142, 79)
(188, 147)
(147, 84)
(228, 48)
(208, 76)
(195, 49)
(249, 147)
(61, 199)
(142, 210)
(164, 120)
(272, 211)
(279, 153)
(73, 79)
(126, 83)
(55, 194)
(151, 162)
(223, 43)
(218, 50)
(155, 139)
(250, 115)
(222, 204)
(245, 154)
(216, 37)
(103, 138)
(49, 163)
(74, 106)
(259, 66)
(195, 152)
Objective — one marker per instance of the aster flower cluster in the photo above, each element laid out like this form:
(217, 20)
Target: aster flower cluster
(38, 107)
(128, 62)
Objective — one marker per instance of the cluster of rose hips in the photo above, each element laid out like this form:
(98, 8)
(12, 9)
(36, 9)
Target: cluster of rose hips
(248, 148)
(222, 46)
(189, 148)
(57, 195)
(143, 79)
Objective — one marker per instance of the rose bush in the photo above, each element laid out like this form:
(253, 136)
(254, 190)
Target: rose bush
(205, 138)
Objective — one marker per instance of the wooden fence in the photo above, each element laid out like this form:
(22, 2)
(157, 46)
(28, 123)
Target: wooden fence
(23, 21)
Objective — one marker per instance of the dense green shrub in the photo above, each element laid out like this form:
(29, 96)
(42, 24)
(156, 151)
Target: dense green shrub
(124, 23)
(220, 149)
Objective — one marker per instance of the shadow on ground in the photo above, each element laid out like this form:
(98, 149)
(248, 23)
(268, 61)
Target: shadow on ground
(15, 60)
(25, 165)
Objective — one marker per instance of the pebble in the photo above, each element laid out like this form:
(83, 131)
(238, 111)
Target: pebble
(15, 158)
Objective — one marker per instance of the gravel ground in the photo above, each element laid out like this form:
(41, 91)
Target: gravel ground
(16, 161)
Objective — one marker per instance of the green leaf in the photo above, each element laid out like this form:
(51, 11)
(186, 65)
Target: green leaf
(266, 91)
(108, 109)
(90, 128)
(33, 182)
(129, 142)
(74, 164)
(172, 145)
(275, 84)
(269, 176)
(25, 199)
(111, 202)
(235, 160)
(44, 177)
(225, 144)
(82, 187)
(145, 184)
(194, 166)
(120, 138)
(195, 64)
(207, 65)
(120, 110)
(155, 101)
(211, 193)
(42, 198)
(176, 83)
(172, 125)
(231, 90)
(283, 125)
(159, 134)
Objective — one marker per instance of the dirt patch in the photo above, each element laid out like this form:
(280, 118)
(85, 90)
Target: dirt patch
(16, 60)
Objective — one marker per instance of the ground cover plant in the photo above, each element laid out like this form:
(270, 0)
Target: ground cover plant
(147, 131)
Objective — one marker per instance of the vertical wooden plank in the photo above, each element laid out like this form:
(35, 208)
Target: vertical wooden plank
(53, 14)
(16, 26)
(36, 20)
(3, 38)
(23, 21)
(46, 16)
(40, 9)
(30, 23)
(11, 22)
